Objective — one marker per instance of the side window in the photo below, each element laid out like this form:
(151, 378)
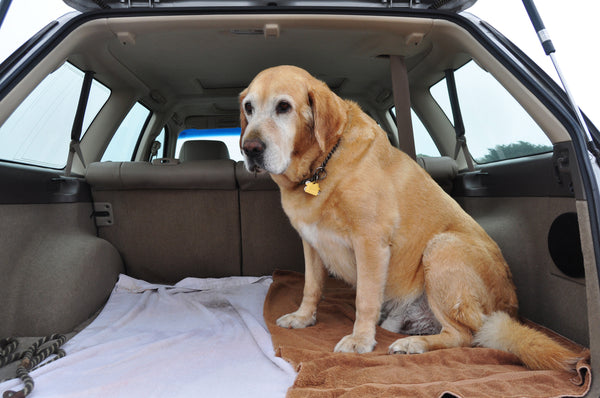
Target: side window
(230, 136)
(38, 132)
(496, 126)
(123, 143)
(424, 145)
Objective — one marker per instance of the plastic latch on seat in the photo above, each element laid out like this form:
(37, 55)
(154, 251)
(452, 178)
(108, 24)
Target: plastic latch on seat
(103, 214)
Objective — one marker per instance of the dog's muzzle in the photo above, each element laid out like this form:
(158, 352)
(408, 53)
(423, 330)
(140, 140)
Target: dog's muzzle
(254, 150)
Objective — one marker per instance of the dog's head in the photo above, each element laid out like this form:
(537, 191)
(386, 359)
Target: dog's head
(288, 119)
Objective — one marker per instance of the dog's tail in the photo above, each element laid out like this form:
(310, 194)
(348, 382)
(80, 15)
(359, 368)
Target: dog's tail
(534, 348)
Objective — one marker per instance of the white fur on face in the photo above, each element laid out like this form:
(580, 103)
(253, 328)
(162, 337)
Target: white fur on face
(276, 130)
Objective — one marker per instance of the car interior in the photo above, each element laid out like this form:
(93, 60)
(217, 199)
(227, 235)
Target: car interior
(138, 200)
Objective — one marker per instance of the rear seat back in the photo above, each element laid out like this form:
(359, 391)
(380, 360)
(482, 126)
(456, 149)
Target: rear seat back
(171, 221)
(269, 241)
(207, 218)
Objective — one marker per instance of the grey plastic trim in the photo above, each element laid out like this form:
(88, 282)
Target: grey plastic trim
(20, 184)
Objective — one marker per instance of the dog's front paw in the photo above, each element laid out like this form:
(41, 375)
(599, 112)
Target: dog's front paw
(408, 345)
(352, 343)
(296, 321)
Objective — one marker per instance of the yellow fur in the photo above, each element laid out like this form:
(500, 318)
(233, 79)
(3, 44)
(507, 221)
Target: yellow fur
(382, 224)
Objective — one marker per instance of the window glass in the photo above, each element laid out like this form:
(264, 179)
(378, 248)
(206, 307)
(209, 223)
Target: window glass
(122, 145)
(230, 136)
(496, 126)
(38, 132)
(424, 145)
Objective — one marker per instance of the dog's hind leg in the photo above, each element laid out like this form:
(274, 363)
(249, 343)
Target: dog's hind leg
(456, 293)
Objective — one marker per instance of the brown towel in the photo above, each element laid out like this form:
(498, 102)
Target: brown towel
(456, 372)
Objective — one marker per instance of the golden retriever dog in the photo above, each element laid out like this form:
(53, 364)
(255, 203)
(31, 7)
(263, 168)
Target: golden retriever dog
(370, 215)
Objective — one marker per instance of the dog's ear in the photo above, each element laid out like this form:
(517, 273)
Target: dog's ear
(329, 113)
(243, 120)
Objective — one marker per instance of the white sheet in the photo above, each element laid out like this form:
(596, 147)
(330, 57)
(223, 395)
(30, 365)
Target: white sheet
(199, 338)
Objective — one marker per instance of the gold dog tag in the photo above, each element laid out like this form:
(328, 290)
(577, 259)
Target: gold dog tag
(312, 188)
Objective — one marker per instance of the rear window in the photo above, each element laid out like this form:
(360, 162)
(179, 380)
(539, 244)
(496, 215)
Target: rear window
(496, 126)
(230, 136)
(424, 145)
(38, 132)
(123, 144)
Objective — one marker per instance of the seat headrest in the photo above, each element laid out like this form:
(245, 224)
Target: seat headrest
(126, 176)
(203, 150)
(440, 168)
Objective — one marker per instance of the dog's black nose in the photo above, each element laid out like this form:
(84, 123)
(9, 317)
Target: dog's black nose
(253, 148)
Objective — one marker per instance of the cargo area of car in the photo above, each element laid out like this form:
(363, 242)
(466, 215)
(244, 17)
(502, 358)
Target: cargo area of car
(65, 240)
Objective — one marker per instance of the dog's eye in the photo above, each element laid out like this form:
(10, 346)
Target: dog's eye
(248, 108)
(283, 107)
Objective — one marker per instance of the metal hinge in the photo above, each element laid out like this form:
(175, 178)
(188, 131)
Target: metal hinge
(103, 214)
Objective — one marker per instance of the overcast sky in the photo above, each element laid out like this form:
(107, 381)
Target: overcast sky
(573, 30)
(574, 33)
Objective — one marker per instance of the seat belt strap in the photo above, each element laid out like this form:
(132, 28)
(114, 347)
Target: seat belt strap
(406, 140)
(461, 143)
(74, 148)
(459, 126)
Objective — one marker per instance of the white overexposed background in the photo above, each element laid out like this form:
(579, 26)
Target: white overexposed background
(572, 26)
